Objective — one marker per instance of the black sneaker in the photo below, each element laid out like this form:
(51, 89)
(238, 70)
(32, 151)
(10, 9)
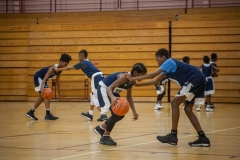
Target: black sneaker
(201, 141)
(99, 130)
(31, 115)
(87, 115)
(212, 106)
(107, 140)
(50, 117)
(169, 138)
(103, 117)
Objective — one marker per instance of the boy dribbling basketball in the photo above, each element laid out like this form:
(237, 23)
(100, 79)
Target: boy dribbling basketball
(40, 80)
(108, 94)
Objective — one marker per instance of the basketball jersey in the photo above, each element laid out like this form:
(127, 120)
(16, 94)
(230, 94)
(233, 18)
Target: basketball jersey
(113, 77)
(182, 72)
(87, 67)
(207, 69)
(42, 72)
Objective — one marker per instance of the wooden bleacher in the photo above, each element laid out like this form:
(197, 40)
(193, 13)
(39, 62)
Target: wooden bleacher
(115, 41)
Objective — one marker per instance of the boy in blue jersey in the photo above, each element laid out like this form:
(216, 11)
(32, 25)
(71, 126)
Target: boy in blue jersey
(40, 80)
(108, 94)
(95, 75)
(208, 69)
(192, 83)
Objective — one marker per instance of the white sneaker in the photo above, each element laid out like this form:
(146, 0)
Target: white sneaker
(158, 106)
(209, 109)
(198, 108)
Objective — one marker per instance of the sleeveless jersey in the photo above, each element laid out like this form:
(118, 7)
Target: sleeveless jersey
(207, 69)
(113, 77)
(42, 72)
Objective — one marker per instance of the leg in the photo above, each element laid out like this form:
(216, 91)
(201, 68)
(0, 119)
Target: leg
(48, 115)
(191, 116)
(175, 110)
(35, 106)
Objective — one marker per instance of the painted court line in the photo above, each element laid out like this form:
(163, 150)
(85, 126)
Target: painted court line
(139, 144)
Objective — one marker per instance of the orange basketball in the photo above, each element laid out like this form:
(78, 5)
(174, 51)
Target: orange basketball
(47, 93)
(122, 107)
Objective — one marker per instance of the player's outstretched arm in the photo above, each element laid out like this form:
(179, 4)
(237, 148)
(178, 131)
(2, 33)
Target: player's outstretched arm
(153, 81)
(63, 69)
(146, 76)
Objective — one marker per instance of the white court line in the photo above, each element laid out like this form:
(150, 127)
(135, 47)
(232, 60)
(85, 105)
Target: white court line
(139, 144)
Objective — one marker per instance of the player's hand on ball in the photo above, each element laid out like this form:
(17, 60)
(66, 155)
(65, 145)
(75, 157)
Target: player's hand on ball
(114, 100)
(135, 116)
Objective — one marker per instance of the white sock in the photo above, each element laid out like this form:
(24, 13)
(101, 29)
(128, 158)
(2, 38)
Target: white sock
(90, 112)
(103, 113)
(208, 106)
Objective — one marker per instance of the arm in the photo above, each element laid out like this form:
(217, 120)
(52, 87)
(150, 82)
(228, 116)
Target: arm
(146, 76)
(215, 70)
(121, 79)
(199, 67)
(154, 81)
(63, 69)
(58, 86)
(130, 100)
(47, 75)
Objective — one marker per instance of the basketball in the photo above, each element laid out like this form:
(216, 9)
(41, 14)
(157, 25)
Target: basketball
(47, 93)
(122, 107)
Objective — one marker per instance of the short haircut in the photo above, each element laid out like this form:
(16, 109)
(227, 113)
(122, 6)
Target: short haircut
(186, 59)
(84, 52)
(213, 56)
(206, 59)
(162, 52)
(65, 58)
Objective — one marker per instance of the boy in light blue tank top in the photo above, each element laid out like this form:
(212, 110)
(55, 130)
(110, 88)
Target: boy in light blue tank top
(96, 76)
(192, 83)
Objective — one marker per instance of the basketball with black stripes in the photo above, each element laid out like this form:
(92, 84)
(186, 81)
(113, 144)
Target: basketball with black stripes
(47, 93)
(122, 107)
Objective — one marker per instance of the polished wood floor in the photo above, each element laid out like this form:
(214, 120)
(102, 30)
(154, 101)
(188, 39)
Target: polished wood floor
(71, 137)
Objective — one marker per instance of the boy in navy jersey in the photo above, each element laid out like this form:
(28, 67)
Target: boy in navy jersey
(108, 94)
(208, 69)
(192, 82)
(40, 80)
(96, 76)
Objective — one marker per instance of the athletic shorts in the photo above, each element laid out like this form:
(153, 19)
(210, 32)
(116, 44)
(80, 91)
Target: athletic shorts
(194, 94)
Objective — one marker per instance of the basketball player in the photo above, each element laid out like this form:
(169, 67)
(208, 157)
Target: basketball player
(40, 80)
(192, 82)
(208, 69)
(185, 59)
(160, 89)
(96, 76)
(108, 93)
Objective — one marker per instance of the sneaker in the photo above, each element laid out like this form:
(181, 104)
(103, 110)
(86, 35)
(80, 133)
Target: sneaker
(201, 141)
(169, 138)
(87, 115)
(209, 109)
(107, 140)
(212, 106)
(103, 117)
(99, 130)
(198, 108)
(31, 115)
(50, 117)
(158, 106)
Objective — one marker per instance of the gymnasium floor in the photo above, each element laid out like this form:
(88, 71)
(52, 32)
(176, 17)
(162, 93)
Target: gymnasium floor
(71, 137)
